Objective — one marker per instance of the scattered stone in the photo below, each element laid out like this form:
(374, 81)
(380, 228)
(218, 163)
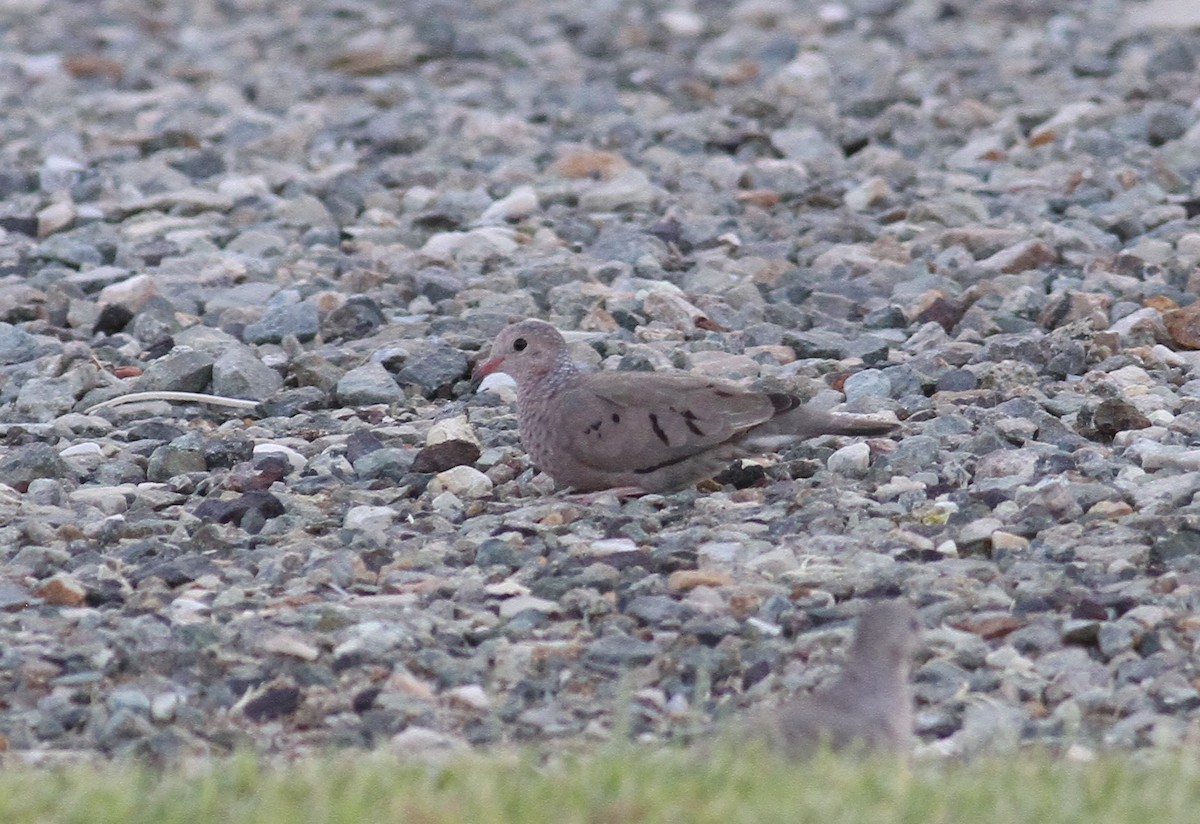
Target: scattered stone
(461, 481)
(298, 320)
(17, 345)
(372, 518)
(182, 370)
(63, 590)
(433, 369)
(238, 373)
(852, 460)
(368, 384)
(446, 455)
(271, 703)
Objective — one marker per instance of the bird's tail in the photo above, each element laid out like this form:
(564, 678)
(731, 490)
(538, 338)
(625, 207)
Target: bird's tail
(796, 421)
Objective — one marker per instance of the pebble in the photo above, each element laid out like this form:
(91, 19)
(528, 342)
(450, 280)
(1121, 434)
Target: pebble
(294, 459)
(629, 190)
(852, 460)
(457, 428)
(17, 345)
(517, 205)
(182, 370)
(63, 590)
(368, 384)
(869, 383)
(298, 320)
(370, 518)
(462, 481)
(238, 373)
(110, 500)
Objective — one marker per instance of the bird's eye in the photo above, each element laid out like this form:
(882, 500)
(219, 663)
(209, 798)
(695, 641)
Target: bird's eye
(519, 344)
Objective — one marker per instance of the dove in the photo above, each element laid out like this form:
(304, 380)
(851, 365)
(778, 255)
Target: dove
(643, 431)
(869, 705)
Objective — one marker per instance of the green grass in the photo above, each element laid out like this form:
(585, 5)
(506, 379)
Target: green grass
(612, 787)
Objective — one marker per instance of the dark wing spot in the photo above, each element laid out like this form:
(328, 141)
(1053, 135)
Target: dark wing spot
(658, 430)
(689, 418)
(595, 427)
(616, 418)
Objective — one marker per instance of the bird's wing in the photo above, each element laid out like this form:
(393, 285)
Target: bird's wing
(631, 422)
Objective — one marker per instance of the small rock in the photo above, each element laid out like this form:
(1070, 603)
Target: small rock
(1007, 542)
(44, 399)
(617, 650)
(470, 696)
(519, 204)
(510, 607)
(446, 455)
(20, 465)
(290, 644)
(457, 428)
(369, 518)
(14, 597)
(17, 345)
(368, 384)
(181, 370)
(869, 383)
(294, 459)
(164, 706)
(110, 500)
(682, 580)
(853, 460)
(63, 590)
(433, 368)
(299, 320)
(170, 460)
(132, 293)
(238, 373)
(979, 531)
(461, 481)
(630, 190)
(55, 218)
(272, 702)
(357, 318)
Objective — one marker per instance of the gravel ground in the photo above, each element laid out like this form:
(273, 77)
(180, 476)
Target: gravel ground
(983, 216)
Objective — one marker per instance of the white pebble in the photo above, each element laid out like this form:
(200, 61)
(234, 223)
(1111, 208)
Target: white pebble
(852, 460)
(461, 481)
(517, 605)
(164, 705)
(471, 696)
(682, 22)
(452, 429)
(519, 204)
(371, 518)
(294, 458)
(88, 449)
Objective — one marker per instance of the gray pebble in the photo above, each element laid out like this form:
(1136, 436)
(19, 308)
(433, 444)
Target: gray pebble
(238, 373)
(182, 370)
(299, 320)
(368, 384)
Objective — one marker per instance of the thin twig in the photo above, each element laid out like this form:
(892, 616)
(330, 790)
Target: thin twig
(186, 397)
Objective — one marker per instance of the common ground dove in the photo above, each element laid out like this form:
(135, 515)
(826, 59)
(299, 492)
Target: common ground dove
(870, 704)
(647, 431)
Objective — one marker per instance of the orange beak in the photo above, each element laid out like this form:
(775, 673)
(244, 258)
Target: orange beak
(486, 368)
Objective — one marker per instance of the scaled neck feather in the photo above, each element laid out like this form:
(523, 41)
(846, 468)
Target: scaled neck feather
(548, 384)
